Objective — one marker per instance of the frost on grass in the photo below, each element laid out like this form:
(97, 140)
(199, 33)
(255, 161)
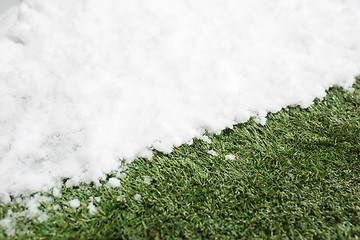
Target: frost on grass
(86, 83)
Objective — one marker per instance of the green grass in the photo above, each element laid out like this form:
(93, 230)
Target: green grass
(298, 176)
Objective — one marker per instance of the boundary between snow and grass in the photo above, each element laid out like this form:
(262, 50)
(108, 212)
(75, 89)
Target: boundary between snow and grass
(297, 176)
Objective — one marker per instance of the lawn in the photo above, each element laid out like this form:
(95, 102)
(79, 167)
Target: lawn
(297, 176)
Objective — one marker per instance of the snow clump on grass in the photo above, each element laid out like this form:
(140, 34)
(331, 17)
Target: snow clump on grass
(74, 204)
(213, 153)
(137, 197)
(230, 157)
(147, 180)
(92, 209)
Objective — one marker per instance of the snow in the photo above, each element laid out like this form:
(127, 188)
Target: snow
(92, 209)
(206, 139)
(137, 197)
(8, 223)
(121, 198)
(113, 182)
(56, 192)
(212, 152)
(6, 4)
(30, 210)
(74, 204)
(230, 157)
(121, 175)
(87, 84)
(147, 180)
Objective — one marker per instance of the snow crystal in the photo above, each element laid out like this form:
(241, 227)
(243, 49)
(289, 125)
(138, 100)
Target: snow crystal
(113, 182)
(137, 197)
(74, 204)
(85, 83)
(230, 157)
(147, 180)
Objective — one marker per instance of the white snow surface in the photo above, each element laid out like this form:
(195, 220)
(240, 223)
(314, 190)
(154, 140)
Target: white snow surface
(88, 82)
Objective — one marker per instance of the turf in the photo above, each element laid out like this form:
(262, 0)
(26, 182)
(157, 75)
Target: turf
(297, 177)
